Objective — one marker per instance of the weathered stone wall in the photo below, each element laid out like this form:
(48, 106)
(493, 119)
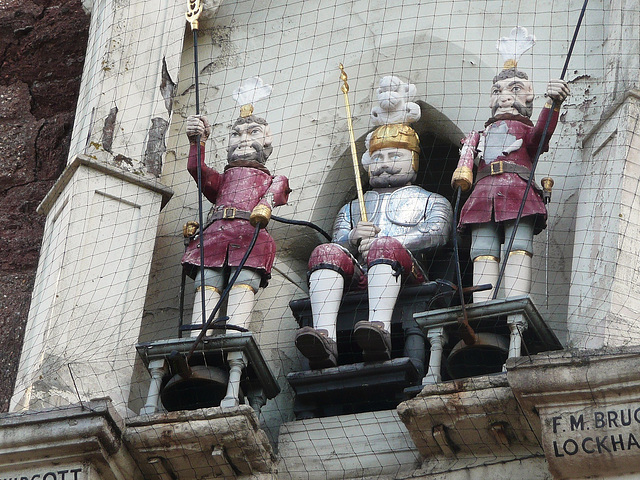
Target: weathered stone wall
(42, 46)
(307, 117)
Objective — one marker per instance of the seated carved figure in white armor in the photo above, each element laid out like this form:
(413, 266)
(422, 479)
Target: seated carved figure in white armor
(377, 255)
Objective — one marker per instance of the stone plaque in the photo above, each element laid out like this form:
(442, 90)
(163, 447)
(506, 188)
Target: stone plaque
(57, 472)
(585, 441)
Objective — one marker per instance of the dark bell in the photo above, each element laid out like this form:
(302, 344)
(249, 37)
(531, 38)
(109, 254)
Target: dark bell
(484, 357)
(205, 387)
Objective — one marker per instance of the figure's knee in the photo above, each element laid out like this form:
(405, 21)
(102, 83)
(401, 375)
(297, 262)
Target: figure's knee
(213, 279)
(486, 241)
(390, 251)
(248, 279)
(331, 256)
(523, 239)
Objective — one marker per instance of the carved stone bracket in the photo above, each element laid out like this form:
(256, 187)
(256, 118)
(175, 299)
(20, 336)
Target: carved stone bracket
(466, 423)
(220, 442)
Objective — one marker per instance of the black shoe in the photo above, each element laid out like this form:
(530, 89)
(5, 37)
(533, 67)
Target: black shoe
(374, 340)
(316, 345)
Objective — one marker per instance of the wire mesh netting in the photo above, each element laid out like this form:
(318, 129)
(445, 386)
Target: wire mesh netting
(110, 274)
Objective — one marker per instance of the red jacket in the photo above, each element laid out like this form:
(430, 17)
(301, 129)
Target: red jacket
(507, 138)
(242, 188)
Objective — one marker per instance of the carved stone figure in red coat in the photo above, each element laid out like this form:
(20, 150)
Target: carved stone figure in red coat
(503, 153)
(242, 196)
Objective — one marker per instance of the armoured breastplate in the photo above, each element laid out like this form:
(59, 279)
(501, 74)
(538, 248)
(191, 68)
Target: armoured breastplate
(394, 212)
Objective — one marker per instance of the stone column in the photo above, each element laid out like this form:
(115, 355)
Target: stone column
(102, 214)
(604, 300)
(90, 287)
(237, 363)
(132, 64)
(437, 338)
(157, 369)
(517, 325)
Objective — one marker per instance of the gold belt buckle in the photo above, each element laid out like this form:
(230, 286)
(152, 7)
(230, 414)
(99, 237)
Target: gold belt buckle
(499, 170)
(228, 213)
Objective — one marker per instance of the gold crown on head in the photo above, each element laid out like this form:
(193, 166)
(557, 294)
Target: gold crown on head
(510, 64)
(395, 135)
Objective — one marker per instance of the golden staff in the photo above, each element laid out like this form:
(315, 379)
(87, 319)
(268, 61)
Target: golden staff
(354, 155)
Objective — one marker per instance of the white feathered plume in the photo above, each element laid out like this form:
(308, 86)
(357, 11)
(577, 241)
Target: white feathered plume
(251, 90)
(513, 46)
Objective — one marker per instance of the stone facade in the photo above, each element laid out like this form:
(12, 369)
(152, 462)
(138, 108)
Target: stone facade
(566, 414)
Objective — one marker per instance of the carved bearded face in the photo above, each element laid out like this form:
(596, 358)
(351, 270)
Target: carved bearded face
(392, 93)
(249, 141)
(512, 95)
(391, 167)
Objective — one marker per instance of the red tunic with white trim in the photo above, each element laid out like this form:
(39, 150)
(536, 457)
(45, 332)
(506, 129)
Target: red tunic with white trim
(497, 197)
(240, 187)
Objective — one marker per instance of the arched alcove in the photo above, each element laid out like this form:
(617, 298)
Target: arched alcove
(439, 145)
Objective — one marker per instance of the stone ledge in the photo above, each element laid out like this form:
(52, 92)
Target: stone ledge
(84, 160)
(584, 375)
(86, 436)
(586, 406)
(470, 422)
(535, 467)
(220, 442)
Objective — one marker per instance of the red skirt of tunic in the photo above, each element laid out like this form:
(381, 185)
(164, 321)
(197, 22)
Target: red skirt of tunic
(225, 243)
(497, 198)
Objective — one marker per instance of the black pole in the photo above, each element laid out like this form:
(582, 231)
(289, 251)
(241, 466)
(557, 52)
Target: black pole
(303, 223)
(199, 169)
(534, 164)
(465, 330)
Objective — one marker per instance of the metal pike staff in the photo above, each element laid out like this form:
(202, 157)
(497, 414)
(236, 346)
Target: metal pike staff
(537, 155)
(547, 186)
(466, 331)
(194, 9)
(354, 155)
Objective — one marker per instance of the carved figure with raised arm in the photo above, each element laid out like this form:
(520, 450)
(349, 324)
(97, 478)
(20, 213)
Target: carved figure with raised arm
(502, 154)
(242, 197)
